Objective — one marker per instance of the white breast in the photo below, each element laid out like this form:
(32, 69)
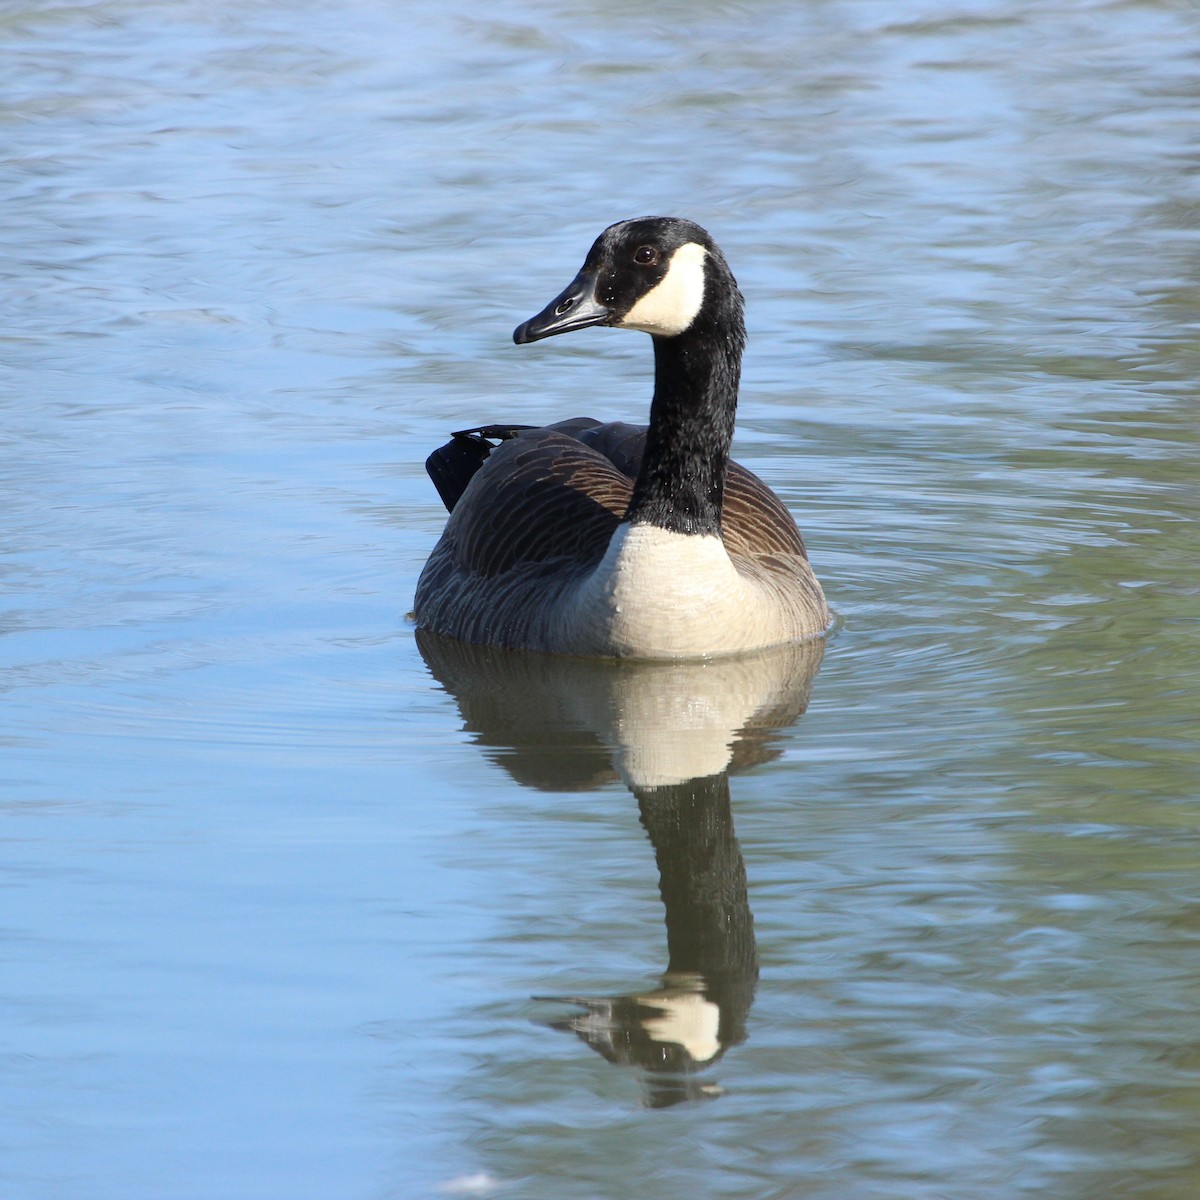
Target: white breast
(660, 594)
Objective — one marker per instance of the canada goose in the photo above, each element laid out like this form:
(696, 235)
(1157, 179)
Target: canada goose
(614, 540)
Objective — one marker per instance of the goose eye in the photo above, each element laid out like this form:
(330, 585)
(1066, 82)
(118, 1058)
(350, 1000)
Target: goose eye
(645, 256)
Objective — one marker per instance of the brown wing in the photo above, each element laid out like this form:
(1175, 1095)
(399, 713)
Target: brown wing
(559, 491)
(541, 495)
(754, 521)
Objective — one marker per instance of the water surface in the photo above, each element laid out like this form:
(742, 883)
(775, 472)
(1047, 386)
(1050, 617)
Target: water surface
(281, 895)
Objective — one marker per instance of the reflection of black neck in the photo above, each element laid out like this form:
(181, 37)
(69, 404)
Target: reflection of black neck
(702, 878)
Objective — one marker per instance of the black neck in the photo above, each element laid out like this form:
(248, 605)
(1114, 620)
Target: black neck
(681, 484)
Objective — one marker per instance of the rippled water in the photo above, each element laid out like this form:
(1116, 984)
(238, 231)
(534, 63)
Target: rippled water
(286, 892)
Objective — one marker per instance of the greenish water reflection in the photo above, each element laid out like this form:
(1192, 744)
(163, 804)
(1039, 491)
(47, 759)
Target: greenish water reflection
(672, 733)
(273, 918)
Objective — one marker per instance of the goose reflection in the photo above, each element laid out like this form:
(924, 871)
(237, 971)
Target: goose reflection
(672, 733)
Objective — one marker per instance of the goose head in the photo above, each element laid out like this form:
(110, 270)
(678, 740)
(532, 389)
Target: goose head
(660, 275)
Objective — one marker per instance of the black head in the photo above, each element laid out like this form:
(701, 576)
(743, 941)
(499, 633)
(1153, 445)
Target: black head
(655, 274)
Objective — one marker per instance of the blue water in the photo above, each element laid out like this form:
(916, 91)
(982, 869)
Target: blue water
(280, 899)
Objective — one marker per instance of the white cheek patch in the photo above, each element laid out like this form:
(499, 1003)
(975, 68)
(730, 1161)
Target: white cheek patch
(671, 306)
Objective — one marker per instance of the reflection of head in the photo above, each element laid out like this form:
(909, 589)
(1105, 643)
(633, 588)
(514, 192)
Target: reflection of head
(699, 1010)
(671, 1034)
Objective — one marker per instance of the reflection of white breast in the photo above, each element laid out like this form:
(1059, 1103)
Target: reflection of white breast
(670, 722)
(664, 722)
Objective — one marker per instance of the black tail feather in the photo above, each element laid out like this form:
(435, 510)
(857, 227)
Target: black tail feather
(453, 466)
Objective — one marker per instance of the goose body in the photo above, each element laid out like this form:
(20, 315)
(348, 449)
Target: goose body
(614, 540)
